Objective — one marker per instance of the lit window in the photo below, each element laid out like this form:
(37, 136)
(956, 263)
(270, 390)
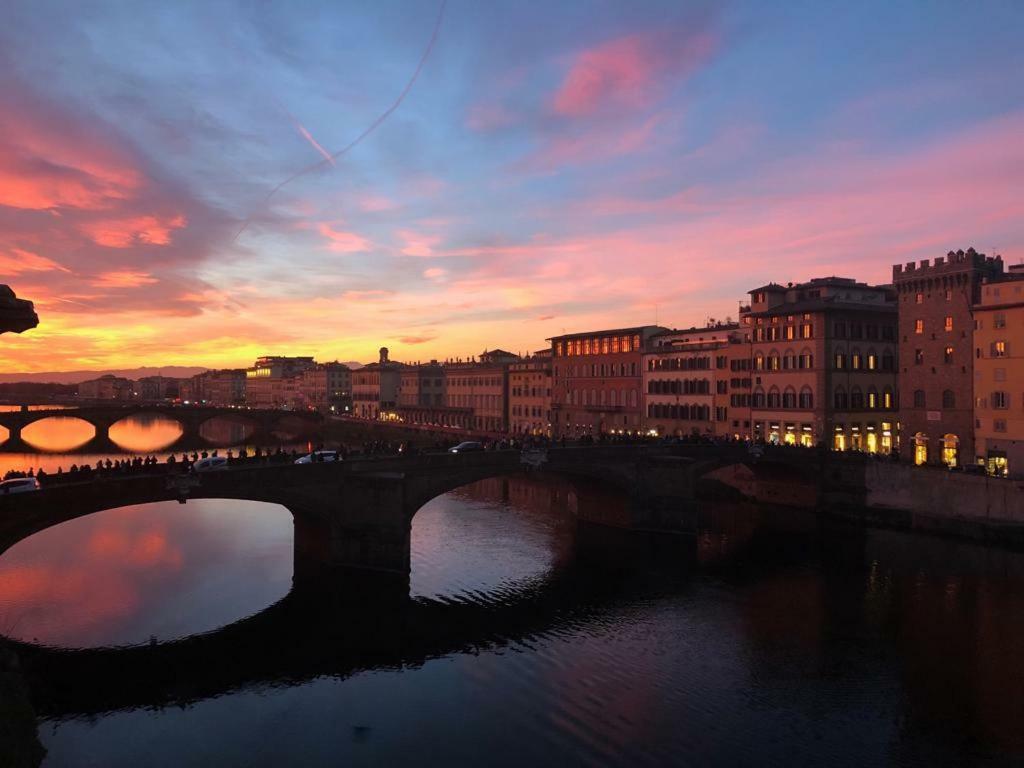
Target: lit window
(919, 299)
(919, 326)
(949, 323)
(947, 355)
(918, 357)
(998, 349)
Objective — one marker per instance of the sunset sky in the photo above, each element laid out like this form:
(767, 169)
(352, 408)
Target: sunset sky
(555, 166)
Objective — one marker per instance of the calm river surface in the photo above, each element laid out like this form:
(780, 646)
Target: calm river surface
(768, 640)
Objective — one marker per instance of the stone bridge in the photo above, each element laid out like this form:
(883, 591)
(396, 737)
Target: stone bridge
(263, 422)
(358, 513)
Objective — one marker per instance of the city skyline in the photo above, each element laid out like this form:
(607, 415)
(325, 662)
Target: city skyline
(548, 170)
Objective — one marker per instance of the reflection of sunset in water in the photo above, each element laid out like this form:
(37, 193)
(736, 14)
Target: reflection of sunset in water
(58, 433)
(122, 576)
(145, 433)
(218, 431)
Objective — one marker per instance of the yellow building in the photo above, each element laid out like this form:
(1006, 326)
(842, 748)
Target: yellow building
(999, 374)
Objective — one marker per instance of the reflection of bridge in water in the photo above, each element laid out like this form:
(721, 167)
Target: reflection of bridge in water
(262, 426)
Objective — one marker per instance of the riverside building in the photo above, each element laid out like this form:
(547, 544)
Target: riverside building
(999, 374)
(481, 386)
(697, 382)
(529, 385)
(375, 388)
(937, 354)
(823, 364)
(596, 381)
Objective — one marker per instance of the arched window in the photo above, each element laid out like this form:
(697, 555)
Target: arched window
(841, 401)
(593, 397)
(856, 360)
(888, 402)
(632, 398)
(872, 398)
(919, 398)
(806, 398)
(759, 400)
(789, 398)
(888, 361)
(789, 361)
(774, 400)
(872, 360)
(806, 359)
(773, 360)
(758, 361)
(856, 399)
(948, 399)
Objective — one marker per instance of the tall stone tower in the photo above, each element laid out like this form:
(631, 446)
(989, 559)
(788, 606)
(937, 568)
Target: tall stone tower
(936, 354)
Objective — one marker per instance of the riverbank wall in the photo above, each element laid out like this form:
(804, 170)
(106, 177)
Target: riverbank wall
(884, 494)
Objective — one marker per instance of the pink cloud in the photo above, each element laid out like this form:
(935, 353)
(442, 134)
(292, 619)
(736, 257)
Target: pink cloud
(436, 274)
(123, 279)
(418, 243)
(624, 73)
(136, 230)
(343, 242)
(17, 261)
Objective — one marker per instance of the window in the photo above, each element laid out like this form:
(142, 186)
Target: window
(872, 398)
(999, 425)
(999, 348)
(999, 320)
(948, 324)
(919, 298)
(1000, 400)
(806, 398)
(840, 330)
(806, 330)
(918, 357)
(872, 361)
(840, 399)
(919, 326)
(888, 361)
(948, 399)
(949, 295)
(840, 361)
(856, 399)
(919, 398)
(855, 360)
(887, 399)
(947, 355)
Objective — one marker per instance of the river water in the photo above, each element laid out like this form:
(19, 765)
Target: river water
(768, 639)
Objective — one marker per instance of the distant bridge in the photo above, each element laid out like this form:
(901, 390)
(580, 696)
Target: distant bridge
(264, 423)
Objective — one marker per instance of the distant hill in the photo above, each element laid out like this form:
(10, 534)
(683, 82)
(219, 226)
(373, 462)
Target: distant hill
(73, 377)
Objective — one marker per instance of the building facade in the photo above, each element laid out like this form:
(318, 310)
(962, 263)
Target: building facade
(690, 386)
(375, 388)
(596, 381)
(271, 382)
(325, 387)
(936, 353)
(108, 387)
(823, 364)
(422, 386)
(529, 398)
(999, 375)
(482, 387)
(220, 388)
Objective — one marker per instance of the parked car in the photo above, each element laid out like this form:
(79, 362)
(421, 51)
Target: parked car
(318, 456)
(19, 485)
(210, 464)
(466, 447)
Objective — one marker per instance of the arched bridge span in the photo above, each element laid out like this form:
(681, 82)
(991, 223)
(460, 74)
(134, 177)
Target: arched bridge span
(264, 421)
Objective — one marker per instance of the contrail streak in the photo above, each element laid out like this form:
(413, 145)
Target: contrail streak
(370, 129)
(309, 137)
